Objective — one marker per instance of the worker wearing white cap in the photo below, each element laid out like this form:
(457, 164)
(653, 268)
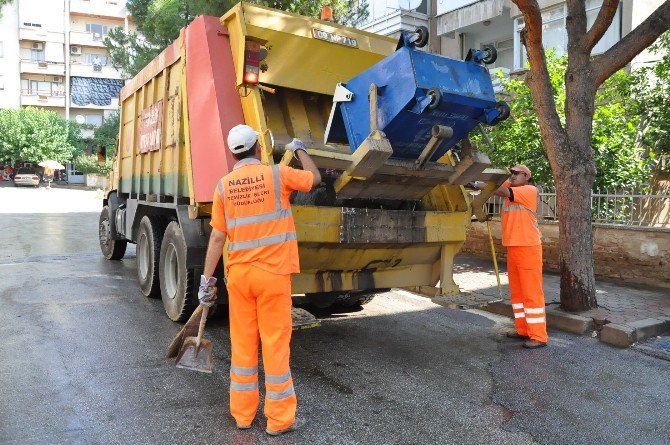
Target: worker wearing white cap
(251, 210)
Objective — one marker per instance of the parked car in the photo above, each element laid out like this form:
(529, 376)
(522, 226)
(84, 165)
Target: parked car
(26, 176)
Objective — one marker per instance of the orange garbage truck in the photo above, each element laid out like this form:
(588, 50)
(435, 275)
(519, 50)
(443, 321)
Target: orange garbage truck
(386, 123)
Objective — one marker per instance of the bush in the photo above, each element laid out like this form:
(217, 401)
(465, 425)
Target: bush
(88, 164)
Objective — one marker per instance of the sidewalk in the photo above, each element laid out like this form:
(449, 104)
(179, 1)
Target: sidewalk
(626, 314)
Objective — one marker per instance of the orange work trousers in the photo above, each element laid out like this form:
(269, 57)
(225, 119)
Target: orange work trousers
(524, 270)
(260, 305)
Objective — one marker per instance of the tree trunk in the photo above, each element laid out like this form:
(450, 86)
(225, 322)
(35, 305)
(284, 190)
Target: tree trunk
(575, 246)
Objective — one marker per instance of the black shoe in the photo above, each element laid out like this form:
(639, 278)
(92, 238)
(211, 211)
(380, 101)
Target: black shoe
(516, 336)
(297, 424)
(534, 344)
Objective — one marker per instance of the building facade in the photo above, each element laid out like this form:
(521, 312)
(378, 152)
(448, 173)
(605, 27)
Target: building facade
(458, 25)
(52, 56)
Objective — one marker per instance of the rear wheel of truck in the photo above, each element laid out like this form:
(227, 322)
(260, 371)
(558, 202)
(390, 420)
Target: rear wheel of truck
(176, 281)
(351, 300)
(111, 249)
(149, 238)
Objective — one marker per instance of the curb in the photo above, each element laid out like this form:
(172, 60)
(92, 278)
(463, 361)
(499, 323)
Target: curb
(624, 335)
(556, 318)
(619, 335)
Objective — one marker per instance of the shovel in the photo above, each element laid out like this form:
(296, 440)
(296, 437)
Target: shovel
(196, 352)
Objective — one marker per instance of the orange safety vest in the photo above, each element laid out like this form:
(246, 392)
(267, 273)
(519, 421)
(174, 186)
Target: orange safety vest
(519, 220)
(260, 229)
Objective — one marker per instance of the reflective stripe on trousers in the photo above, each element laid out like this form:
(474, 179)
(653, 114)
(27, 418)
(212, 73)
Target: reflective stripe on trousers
(524, 269)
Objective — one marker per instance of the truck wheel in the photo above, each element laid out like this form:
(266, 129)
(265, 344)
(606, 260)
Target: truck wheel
(322, 300)
(176, 281)
(111, 249)
(149, 238)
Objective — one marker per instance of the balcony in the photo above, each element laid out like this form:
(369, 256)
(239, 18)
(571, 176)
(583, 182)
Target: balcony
(113, 106)
(392, 24)
(40, 35)
(40, 99)
(43, 67)
(99, 8)
(86, 70)
(86, 39)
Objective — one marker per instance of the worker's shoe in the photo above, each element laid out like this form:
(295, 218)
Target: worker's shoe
(297, 424)
(243, 427)
(534, 344)
(517, 336)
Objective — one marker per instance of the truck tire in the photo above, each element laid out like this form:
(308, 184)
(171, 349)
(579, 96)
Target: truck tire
(176, 281)
(111, 249)
(149, 237)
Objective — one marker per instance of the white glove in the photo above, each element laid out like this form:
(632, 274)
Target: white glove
(207, 291)
(295, 145)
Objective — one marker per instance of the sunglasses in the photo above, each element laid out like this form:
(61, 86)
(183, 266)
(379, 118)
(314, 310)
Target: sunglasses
(515, 172)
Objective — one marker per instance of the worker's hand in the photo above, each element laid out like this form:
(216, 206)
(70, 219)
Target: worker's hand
(207, 291)
(295, 145)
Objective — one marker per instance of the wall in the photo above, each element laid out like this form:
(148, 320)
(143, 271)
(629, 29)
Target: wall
(9, 60)
(640, 256)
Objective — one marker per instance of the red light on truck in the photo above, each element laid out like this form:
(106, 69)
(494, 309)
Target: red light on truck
(252, 60)
(250, 77)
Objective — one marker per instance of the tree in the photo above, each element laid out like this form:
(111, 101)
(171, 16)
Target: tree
(3, 3)
(159, 21)
(34, 135)
(651, 89)
(620, 161)
(106, 134)
(568, 144)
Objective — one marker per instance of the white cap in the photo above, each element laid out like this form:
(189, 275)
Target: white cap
(241, 138)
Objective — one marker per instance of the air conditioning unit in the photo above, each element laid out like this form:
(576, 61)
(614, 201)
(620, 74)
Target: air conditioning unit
(97, 67)
(58, 79)
(42, 64)
(39, 46)
(75, 50)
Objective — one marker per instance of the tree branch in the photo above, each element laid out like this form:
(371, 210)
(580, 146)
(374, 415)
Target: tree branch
(538, 79)
(632, 44)
(602, 23)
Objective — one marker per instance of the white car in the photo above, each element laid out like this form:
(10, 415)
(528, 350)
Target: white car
(26, 176)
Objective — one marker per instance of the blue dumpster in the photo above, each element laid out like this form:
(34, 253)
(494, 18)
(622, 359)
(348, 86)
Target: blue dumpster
(417, 90)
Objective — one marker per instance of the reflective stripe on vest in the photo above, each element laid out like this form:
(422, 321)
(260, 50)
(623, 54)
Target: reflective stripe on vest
(243, 386)
(275, 215)
(518, 207)
(279, 395)
(277, 379)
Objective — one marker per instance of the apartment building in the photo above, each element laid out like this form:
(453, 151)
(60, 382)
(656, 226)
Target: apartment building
(458, 25)
(53, 57)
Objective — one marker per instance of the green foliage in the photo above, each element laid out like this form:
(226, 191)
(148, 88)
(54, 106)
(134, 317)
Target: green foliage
(159, 22)
(651, 88)
(107, 133)
(35, 134)
(3, 3)
(620, 162)
(87, 164)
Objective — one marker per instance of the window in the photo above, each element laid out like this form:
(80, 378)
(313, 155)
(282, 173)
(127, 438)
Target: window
(555, 35)
(96, 59)
(36, 55)
(94, 119)
(40, 87)
(98, 31)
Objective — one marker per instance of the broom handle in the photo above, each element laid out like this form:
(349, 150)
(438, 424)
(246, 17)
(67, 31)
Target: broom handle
(201, 329)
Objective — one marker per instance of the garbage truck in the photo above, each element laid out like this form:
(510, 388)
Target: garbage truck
(386, 123)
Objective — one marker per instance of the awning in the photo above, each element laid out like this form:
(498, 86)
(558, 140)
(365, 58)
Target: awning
(469, 15)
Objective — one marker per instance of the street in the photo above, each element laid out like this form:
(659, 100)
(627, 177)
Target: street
(82, 361)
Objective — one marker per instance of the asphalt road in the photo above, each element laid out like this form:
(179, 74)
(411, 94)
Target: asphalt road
(81, 363)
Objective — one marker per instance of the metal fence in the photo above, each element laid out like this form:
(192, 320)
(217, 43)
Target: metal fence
(628, 207)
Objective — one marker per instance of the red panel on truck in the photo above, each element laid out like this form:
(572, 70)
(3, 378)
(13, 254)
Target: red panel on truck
(214, 105)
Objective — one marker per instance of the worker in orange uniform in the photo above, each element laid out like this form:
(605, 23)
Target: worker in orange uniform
(251, 210)
(521, 236)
